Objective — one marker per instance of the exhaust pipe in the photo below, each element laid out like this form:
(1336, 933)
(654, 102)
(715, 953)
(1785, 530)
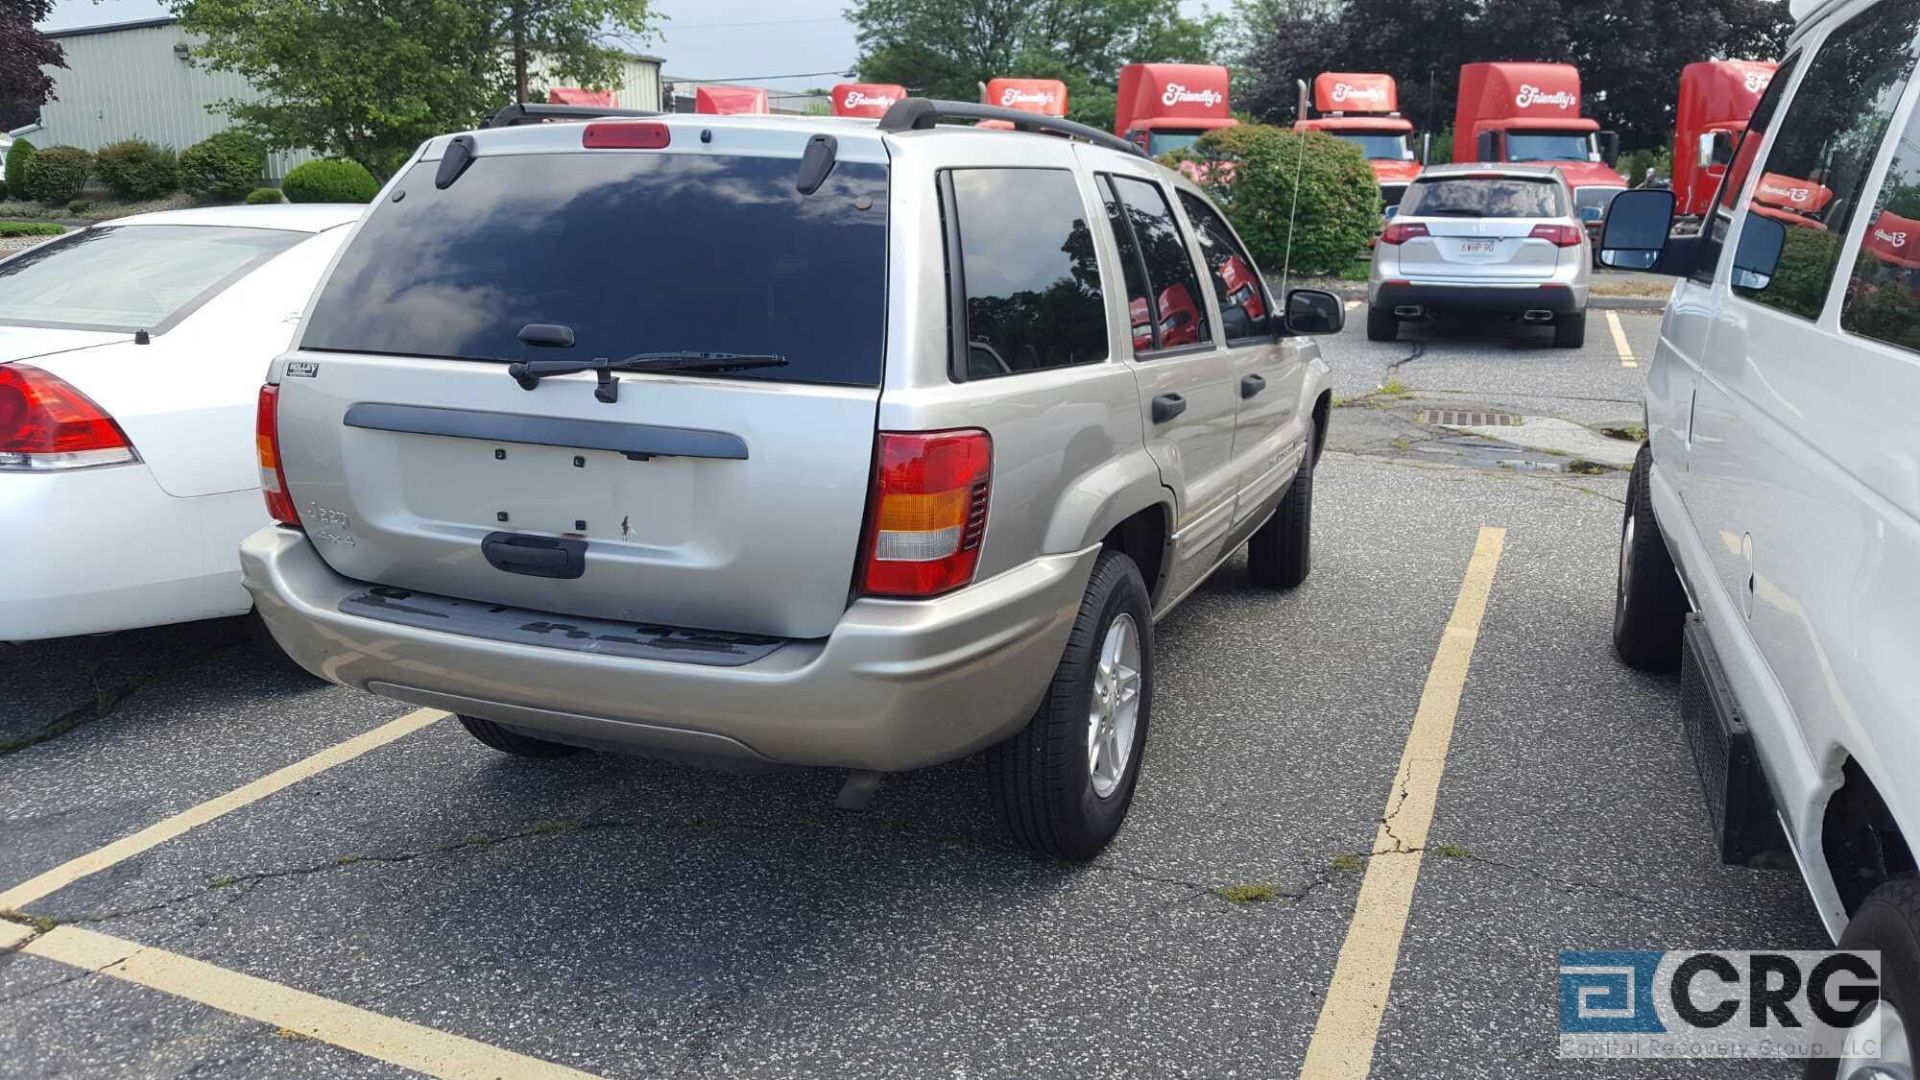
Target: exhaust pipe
(1409, 311)
(1537, 315)
(1302, 84)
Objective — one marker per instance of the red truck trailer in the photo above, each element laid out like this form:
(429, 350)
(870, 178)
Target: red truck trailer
(1716, 100)
(1048, 97)
(1364, 109)
(866, 99)
(1515, 112)
(722, 100)
(1165, 107)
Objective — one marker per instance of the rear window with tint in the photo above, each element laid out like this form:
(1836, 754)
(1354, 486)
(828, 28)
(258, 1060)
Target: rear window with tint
(635, 251)
(131, 277)
(1489, 197)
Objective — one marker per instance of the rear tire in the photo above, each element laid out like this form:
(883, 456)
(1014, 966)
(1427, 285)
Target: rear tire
(1889, 922)
(1570, 331)
(1649, 604)
(1280, 555)
(509, 741)
(1045, 781)
(1382, 324)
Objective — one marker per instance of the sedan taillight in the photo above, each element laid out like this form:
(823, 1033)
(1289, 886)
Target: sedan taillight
(266, 442)
(46, 424)
(928, 512)
(1399, 232)
(1558, 235)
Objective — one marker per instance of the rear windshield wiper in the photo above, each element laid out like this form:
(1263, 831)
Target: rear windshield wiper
(528, 373)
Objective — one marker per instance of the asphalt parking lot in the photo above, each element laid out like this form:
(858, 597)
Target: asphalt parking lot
(416, 902)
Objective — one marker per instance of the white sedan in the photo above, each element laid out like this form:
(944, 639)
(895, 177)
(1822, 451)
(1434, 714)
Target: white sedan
(131, 358)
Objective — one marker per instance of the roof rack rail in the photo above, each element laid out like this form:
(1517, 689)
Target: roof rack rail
(521, 113)
(918, 114)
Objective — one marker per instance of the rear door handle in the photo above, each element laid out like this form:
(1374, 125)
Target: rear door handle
(1168, 406)
(1251, 385)
(535, 556)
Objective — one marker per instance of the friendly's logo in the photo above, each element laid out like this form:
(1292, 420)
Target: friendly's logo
(1757, 81)
(1013, 95)
(858, 98)
(1635, 1003)
(1531, 95)
(1891, 239)
(1345, 91)
(1176, 94)
(1791, 194)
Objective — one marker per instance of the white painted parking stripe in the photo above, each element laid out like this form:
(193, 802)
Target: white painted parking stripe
(1620, 341)
(1351, 304)
(162, 831)
(383, 1038)
(1349, 1026)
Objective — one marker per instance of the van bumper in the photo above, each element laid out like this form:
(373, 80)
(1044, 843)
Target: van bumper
(897, 685)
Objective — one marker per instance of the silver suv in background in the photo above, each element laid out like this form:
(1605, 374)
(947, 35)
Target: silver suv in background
(820, 442)
(1483, 239)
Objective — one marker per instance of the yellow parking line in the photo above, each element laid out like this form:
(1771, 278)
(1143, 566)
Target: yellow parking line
(383, 1038)
(1349, 1025)
(160, 832)
(1620, 341)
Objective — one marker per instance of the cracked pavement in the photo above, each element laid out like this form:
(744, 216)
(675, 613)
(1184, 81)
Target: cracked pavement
(638, 919)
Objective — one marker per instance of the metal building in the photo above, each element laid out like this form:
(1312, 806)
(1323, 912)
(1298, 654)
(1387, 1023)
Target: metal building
(139, 80)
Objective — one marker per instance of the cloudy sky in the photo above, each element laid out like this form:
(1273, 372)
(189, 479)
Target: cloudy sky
(702, 39)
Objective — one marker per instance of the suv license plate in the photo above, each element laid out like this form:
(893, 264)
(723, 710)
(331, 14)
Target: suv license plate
(1476, 247)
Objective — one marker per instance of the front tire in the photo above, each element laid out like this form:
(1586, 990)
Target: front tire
(1570, 331)
(1649, 604)
(1382, 324)
(1280, 555)
(1889, 922)
(508, 741)
(1063, 784)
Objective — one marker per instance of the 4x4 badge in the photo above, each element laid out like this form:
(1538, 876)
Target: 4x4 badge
(302, 369)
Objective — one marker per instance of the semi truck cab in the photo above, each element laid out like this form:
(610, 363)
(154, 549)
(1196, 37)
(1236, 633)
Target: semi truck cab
(1530, 114)
(1364, 109)
(1716, 101)
(1167, 107)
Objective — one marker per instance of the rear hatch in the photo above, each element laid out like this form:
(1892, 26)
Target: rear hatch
(726, 501)
(1480, 228)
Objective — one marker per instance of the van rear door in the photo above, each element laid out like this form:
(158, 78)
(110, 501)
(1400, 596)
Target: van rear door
(727, 501)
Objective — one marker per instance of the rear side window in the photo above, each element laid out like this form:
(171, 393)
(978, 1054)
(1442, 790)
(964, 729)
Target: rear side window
(1816, 171)
(1028, 279)
(1883, 293)
(635, 251)
(1178, 315)
(131, 277)
(1245, 311)
(1483, 197)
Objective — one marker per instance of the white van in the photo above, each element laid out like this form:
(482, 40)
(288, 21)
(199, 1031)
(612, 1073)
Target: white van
(1781, 480)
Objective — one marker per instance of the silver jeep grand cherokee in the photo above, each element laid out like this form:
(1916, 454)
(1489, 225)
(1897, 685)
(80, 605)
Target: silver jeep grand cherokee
(810, 441)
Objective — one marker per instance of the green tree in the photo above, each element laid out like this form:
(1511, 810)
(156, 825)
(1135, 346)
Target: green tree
(947, 48)
(369, 80)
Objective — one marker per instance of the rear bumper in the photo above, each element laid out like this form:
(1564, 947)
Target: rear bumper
(1561, 299)
(898, 685)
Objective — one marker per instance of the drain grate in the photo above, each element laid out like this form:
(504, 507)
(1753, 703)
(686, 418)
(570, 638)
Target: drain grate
(1466, 418)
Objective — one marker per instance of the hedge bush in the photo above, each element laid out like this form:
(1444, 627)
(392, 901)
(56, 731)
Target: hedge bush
(330, 181)
(12, 229)
(265, 196)
(137, 170)
(58, 173)
(1249, 171)
(224, 166)
(18, 156)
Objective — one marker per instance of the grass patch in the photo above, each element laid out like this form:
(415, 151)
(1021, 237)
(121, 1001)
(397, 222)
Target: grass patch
(1394, 388)
(1349, 863)
(1632, 433)
(1253, 892)
(1589, 468)
(222, 881)
(12, 229)
(1356, 271)
(1452, 851)
(348, 860)
(40, 923)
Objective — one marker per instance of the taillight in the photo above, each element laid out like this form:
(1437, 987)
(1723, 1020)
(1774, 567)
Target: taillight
(1558, 235)
(625, 135)
(928, 512)
(266, 443)
(1399, 232)
(46, 424)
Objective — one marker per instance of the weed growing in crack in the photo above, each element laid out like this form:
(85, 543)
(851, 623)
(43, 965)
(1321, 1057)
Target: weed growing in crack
(1394, 388)
(551, 826)
(1453, 851)
(40, 923)
(1253, 892)
(348, 860)
(222, 881)
(1349, 863)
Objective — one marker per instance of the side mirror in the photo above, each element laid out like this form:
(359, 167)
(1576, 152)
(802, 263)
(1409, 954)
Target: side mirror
(1312, 311)
(1636, 227)
(1610, 148)
(1758, 254)
(1486, 146)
